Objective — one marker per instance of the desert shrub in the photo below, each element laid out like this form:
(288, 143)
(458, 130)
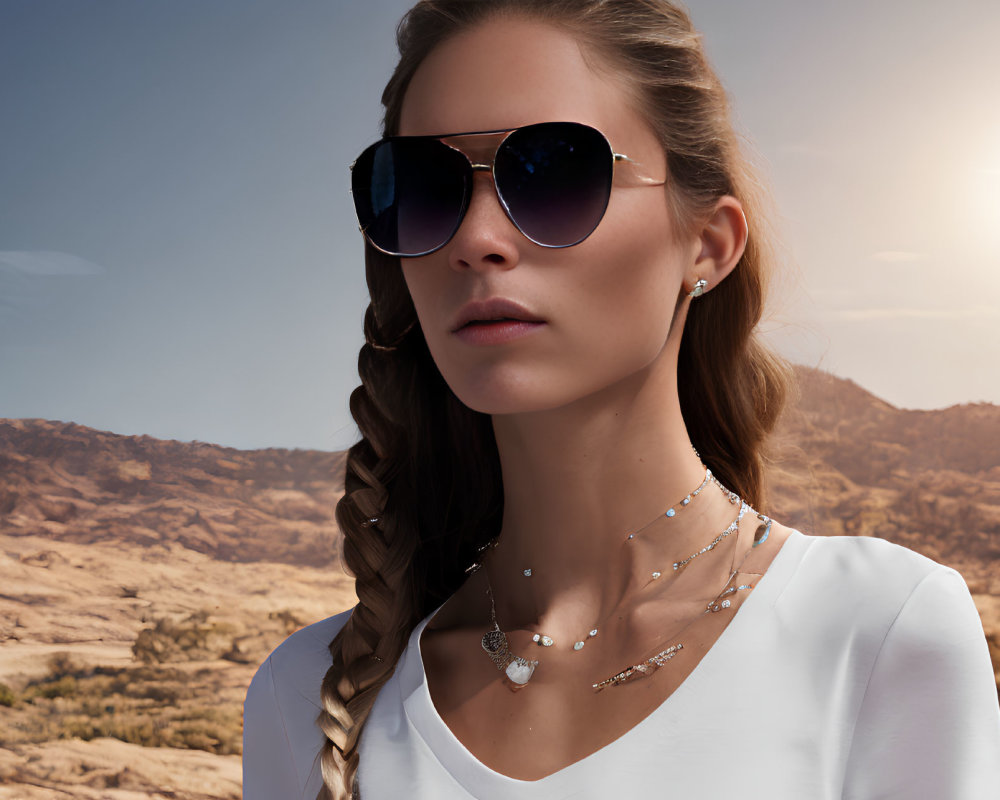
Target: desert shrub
(140, 731)
(206, 714)
(160, 693)
(7, 696)
(66, 686)
(157, 644)
(62, 664)
(146, 705)
(220, 738)
(288, 619)
(77, 729)
(193, 639)
(195, 739)
(153, 674)
(237, 655)
(134, 730)
(97, 704)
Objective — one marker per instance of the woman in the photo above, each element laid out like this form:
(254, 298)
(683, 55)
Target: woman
(554, 516)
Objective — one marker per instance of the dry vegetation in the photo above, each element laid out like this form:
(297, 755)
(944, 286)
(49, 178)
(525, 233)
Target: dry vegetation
(148, 706)
(110, 646)
(169, 698)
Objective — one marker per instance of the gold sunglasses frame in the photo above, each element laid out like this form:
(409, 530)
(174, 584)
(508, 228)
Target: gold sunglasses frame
(477, 151)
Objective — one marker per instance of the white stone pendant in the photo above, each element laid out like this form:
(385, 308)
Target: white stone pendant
(520, 670)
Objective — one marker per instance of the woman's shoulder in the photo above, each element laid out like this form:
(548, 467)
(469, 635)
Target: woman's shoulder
(864, 560)
(911, 669)
(281, 740)
(299, 663)
(866, 583)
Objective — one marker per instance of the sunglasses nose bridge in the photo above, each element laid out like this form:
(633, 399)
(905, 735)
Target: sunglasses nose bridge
(486, 233)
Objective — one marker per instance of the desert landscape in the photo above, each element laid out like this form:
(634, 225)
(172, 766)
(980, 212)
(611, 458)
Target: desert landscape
(143, 580)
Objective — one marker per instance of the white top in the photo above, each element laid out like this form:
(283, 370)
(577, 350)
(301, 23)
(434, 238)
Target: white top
(855, 669)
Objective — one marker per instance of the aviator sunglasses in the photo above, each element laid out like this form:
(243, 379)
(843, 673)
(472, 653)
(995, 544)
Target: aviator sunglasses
(553, 180)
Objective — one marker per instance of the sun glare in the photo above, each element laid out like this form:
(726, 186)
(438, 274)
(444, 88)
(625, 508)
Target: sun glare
(984, 196)
(989, 196)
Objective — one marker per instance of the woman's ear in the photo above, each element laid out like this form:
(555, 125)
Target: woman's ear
(721, 242)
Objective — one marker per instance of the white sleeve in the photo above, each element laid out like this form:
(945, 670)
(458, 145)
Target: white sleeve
(268, 766)
(929, 725)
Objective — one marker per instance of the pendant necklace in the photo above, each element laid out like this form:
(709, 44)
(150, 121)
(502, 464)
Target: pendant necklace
(518, 670)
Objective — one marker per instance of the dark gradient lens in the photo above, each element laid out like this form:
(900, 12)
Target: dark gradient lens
(555, 180)
(410, 194)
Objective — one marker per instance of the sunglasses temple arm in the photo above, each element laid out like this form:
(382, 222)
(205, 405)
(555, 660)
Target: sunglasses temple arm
(644, 179)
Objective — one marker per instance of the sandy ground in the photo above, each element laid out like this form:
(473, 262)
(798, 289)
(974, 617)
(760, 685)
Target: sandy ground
(91, 601)
(107, 769)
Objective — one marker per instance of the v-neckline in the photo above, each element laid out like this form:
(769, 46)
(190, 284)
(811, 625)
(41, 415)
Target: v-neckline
(486, 783)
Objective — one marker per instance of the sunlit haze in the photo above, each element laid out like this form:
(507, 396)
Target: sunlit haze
(179, 255)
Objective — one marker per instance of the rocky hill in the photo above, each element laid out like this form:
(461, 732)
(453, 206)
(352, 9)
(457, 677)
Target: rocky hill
(141, 582)
(76, 484)
(852, 464)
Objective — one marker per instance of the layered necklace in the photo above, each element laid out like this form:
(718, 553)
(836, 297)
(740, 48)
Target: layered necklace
(518, 670)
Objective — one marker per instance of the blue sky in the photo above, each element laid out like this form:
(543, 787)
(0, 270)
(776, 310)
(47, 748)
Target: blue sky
(179, 256)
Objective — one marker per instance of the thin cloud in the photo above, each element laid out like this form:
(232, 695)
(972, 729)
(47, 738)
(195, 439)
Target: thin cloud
(48, 262)
(45, 294)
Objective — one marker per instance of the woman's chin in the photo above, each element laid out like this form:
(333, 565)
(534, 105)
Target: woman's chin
(511, 401)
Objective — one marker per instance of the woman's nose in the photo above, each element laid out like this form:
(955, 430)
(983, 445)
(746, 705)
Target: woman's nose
(486, 236)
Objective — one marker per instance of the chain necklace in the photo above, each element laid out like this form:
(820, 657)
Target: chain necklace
(548, 641)
(653, 663)
(494, 642)
(670, 512)
(519, 670)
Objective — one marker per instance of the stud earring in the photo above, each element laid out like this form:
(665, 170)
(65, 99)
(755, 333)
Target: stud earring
(699, 288)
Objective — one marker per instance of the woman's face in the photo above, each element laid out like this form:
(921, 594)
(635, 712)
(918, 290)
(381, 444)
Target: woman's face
(608, 302)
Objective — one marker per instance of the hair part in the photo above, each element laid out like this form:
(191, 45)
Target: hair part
(423, 487)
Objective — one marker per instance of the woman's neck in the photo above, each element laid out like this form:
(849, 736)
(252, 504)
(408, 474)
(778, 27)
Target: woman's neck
(576, 481)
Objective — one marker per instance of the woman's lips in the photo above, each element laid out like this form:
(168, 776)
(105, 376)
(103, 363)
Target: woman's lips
(493, 309)
(496, 331)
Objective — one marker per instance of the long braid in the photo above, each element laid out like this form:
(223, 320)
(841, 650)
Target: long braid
(412, 516)
(365, 651)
